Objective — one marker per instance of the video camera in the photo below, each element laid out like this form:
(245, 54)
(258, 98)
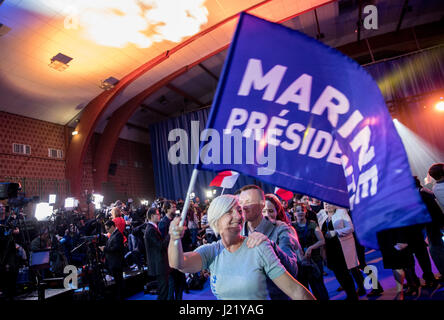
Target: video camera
(16, 199)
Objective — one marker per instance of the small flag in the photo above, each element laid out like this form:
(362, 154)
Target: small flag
(225, 179)
(283, 194)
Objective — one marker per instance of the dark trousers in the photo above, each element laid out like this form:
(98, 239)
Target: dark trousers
(436, 247)
(177, 283)
(316, 283)
(411, 277)
(8, 281)
(117, 274)
(194, 233)
(346, 281)
(359, 278)
(162, 282)
(423, 257)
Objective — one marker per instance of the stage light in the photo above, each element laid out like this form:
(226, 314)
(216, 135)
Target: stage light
(75, 132)
(70, 203)
(43, 211)
(52, 198)
(439, 106)
(420, 153)
(214, 191)
(97, 200)
(192, 195)
(144, 202)
(209, 194)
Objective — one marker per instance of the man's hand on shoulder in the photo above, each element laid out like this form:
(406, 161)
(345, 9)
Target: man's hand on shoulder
(255, 239)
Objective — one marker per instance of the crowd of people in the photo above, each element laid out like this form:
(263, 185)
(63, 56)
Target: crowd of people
(251, 245)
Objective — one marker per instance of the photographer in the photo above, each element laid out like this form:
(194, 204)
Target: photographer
(8, 256)
(114, 251)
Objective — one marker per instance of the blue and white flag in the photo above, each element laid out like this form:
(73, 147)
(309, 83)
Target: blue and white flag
(318, 124)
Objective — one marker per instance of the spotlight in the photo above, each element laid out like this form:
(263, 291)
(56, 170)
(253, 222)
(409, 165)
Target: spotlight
(52, 198)
(43, 211)
(70, 203)
(75, 132)
(144, 202)
(192, 195)
(209, 194)
(439, 106)
(97, 200)
(214, 191)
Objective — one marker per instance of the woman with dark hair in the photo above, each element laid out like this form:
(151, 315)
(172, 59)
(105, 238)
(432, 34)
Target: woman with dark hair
(274, 210)
(193, 218)
(311, 240)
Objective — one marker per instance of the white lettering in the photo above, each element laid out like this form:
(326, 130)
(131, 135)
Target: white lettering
(237, 118)
(256, 122)
(296, 139)
(367, 179)
(327, 101)
(362, 141)
(322, 138)
(253, 76)
(302, 85)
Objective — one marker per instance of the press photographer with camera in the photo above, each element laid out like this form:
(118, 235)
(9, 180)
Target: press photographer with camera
(114, 252)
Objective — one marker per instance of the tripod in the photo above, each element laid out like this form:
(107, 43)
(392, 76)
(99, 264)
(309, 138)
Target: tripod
(93, 270)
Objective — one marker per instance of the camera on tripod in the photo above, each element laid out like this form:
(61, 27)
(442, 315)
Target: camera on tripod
(16, 199)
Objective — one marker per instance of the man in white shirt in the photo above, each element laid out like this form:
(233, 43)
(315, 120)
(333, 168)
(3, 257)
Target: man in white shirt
(436, 171)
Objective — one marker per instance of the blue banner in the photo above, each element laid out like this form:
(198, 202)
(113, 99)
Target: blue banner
(300, 115)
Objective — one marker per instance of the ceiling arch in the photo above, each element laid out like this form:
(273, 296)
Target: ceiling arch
(180, 54)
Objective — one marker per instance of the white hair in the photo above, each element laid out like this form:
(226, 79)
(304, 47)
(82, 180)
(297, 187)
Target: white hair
(218, 207)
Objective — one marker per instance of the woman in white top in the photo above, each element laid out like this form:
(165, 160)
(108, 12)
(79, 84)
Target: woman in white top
(342, 258)
(238, 265)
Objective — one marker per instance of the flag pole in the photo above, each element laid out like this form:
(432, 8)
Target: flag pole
(223, 189)
(187, 200)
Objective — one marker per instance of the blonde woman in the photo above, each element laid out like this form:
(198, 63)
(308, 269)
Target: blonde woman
(238, 265)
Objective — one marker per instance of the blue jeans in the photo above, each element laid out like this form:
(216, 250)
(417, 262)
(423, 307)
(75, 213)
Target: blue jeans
(194, 236)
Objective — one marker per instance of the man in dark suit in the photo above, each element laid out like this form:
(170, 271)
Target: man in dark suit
(157, 253)
(114, 252)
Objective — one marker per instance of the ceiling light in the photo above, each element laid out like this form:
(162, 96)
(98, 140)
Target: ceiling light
(439, 106)
(75, 132)
(109, 83)
(60, 62)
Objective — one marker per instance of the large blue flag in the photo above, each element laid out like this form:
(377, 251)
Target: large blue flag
(300, 115)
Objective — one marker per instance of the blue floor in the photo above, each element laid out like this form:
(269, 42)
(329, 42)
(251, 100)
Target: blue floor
(373, 257)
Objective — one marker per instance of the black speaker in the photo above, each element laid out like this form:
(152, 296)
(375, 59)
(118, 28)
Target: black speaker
(112, 169)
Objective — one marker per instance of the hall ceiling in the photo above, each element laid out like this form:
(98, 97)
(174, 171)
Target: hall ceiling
(110, 38)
